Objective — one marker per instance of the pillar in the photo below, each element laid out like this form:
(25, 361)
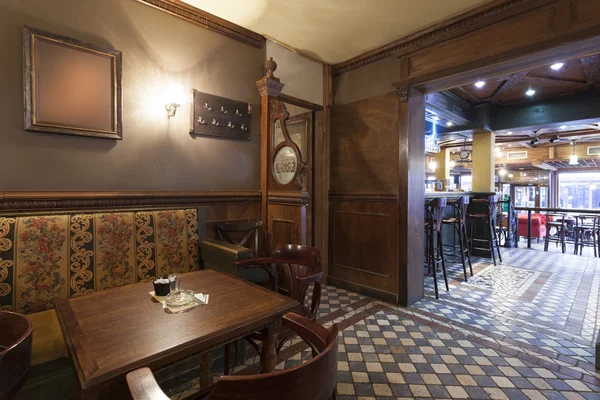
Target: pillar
(483, 166)
(442, 172)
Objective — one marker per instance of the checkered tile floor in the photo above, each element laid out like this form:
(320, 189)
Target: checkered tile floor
(500, 339)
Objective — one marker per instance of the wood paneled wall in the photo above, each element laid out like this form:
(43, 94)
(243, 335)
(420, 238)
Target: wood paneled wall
(363, 230)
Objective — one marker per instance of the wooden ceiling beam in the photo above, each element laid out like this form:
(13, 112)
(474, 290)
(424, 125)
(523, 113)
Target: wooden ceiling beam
(558, 81)
(591, 69)
(508, 84)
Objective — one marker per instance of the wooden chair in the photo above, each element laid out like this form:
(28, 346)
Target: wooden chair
(292, 268)
(488, 217)
(312, 380)
(556, 221)
(239, 233)
(434, 252)
(15, 352)
(229, 232)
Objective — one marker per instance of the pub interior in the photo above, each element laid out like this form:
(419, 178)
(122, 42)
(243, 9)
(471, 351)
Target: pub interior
(259, 199)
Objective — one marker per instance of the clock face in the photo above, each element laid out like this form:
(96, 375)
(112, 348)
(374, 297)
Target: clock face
(464, 154)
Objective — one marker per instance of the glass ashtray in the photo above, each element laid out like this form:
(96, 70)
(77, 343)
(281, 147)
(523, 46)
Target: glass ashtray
(180, 298)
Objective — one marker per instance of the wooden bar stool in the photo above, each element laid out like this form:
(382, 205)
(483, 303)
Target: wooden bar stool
(586, 231)
(488, 217)
(556, 221)
(434, 255)
(459, 224)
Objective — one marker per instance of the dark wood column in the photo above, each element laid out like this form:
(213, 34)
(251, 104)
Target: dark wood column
(411, 194)
(268, 87)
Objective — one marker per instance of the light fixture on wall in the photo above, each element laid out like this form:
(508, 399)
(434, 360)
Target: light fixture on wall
(432, 165)
(174, 99)
(573, 160)
(452, 164)
(502, 172)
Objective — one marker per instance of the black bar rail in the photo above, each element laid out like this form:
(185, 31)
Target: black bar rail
(530, 210)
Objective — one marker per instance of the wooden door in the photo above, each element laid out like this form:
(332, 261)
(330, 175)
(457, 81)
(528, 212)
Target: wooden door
(289, 211)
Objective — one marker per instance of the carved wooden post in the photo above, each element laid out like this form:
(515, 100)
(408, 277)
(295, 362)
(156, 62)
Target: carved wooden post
(268, 87)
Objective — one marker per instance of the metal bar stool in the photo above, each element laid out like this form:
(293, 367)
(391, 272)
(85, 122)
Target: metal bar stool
(459, 223)
(556, 221)
(488, 216)
(586, 229)
(434, 255)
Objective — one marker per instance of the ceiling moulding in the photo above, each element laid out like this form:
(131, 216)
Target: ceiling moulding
(461, 24)
(208, 21)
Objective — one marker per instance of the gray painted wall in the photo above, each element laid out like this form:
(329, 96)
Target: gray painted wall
(155, 153)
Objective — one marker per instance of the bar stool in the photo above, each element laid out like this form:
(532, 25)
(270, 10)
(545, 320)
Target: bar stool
(488, 216)
(556, 221)
(586, 229)
(434, 255)
(459, 223)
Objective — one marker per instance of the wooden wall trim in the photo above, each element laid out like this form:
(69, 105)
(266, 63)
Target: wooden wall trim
(459, 25)
(378, 197)
(208, 21)
(289, 198)
(57, 201)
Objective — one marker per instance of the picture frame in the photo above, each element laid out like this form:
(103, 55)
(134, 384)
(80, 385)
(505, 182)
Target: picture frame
(71, 87)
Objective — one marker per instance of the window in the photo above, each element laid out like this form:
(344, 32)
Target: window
(579, 190)
(465, 182)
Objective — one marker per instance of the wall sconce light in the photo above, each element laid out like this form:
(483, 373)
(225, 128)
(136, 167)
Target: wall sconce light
(432, 165)
(174, 99)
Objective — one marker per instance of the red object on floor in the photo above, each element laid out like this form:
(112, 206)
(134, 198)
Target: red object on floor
(538, 225)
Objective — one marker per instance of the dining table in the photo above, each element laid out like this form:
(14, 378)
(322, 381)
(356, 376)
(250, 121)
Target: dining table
(113, 332)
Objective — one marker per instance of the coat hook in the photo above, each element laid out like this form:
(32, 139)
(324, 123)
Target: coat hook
(230, 125)
(207, 107)
(214, 122)
(223, 110)
(238, 113)
(201, 121)
(243, 127)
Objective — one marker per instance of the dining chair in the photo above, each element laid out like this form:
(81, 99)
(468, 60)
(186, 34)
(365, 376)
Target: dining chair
(556, 221)
(586, 233)
(293, 269)
(239, 233)
(15, 352)
(313, 380)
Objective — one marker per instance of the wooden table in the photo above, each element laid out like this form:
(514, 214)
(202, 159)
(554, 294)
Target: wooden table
(113, 332)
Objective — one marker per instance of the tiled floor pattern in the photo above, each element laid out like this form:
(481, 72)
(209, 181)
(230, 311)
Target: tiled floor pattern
(498, 341)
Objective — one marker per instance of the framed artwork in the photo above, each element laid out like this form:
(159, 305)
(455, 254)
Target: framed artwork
(71, 87)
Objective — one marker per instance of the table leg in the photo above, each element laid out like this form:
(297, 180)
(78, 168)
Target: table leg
(206, 370)
(268, 355)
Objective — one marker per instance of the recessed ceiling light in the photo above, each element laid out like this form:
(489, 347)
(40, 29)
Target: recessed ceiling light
(510, 145)
(509, 133)
(436, 118)
(479, 84)
(563, 127)
(449, 123)
(530, 92)
(557, 66)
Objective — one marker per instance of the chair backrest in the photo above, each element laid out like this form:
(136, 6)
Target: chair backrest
(304, 261)
(312, 380)
(239, 233)
(434, 210)
(15, 352)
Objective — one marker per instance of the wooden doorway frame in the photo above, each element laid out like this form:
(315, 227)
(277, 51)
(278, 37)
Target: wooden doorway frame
(568, 32)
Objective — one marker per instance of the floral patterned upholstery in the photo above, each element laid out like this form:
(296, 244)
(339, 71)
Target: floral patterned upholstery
(52, 257)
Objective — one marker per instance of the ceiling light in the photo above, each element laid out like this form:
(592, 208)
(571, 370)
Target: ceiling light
(524, 173)
(573, 160)
(510, 176)
(563, 127)
(479, 84)
(449, 123)
(557, 66)
(436, 118)
(509, 133)
(470, 139)
(530, 92)
(502, 172)
(510, 145)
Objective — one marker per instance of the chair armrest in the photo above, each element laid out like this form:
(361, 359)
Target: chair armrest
(253, 261)
(143, 386)
(310, 279)
(311, 332)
